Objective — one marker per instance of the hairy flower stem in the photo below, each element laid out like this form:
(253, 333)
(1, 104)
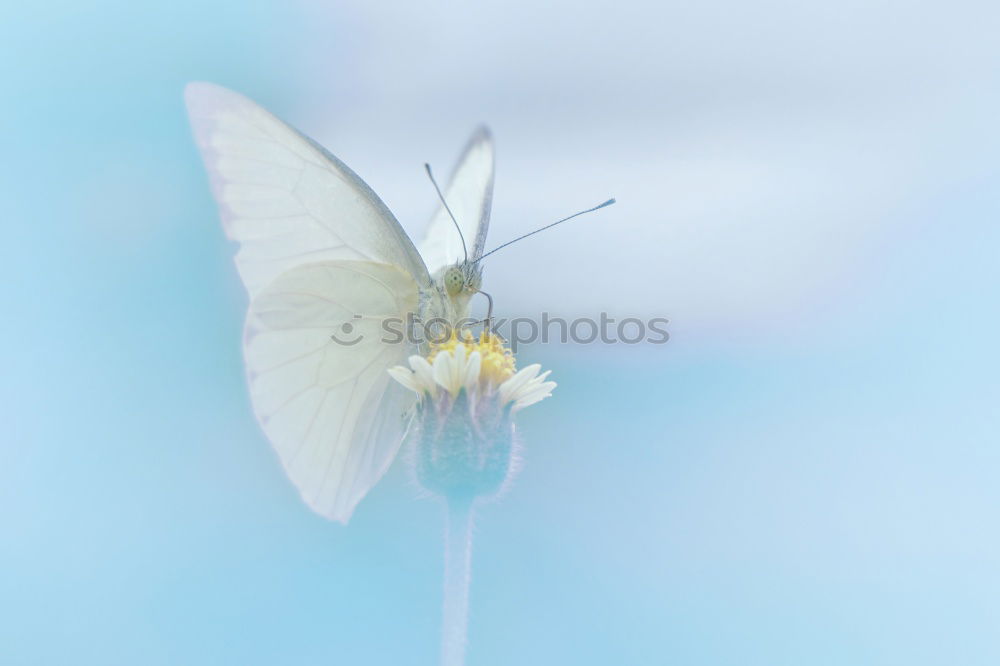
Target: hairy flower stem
(457, 562)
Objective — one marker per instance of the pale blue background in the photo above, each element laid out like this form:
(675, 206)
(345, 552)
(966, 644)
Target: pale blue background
(806, 474)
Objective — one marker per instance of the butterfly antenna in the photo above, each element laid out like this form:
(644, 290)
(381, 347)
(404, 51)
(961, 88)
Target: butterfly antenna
(450, 214)
(547, 226)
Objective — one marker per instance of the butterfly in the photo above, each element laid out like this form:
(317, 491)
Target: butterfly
(326, 264)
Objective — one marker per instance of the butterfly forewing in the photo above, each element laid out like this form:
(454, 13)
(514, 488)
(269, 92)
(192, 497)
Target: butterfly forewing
(285, 199)
(469, 194)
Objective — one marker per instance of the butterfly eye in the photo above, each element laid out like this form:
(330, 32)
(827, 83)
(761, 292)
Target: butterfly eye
(454, 281)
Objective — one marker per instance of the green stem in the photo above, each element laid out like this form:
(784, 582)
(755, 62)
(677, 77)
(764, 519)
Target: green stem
(457, 563)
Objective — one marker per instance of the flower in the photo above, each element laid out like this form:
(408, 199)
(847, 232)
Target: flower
(469, 389)
(484, 367)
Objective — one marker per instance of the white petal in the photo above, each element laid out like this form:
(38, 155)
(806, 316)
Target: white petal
(405, 377)
(510, 387)
(443, 372)
(527, 401)
(458, 367)
(425, 374)
(530, 386)
(472, 370)
(538, 394)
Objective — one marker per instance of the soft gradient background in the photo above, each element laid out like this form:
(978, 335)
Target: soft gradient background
(806, 474)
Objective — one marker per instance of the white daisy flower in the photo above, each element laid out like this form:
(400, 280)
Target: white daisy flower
(469, 389)
(483, 366)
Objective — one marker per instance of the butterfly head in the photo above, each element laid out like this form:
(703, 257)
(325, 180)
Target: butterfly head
(465, 277)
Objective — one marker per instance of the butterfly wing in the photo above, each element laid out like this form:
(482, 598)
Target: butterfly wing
(469, 194)
(285, 199)
(317, 247)
(316, 355)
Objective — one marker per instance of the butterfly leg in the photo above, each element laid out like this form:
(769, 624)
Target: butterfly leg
(489, 311)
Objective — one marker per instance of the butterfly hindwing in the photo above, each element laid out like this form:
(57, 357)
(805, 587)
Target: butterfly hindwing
(317, 351)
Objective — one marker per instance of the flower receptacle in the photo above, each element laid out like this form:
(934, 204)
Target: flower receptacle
(464, 447)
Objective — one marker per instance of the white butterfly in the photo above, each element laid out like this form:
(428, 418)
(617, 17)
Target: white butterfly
(320, 253)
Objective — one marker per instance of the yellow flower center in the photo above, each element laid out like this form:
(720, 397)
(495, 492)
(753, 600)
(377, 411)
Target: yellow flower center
(496, 361)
